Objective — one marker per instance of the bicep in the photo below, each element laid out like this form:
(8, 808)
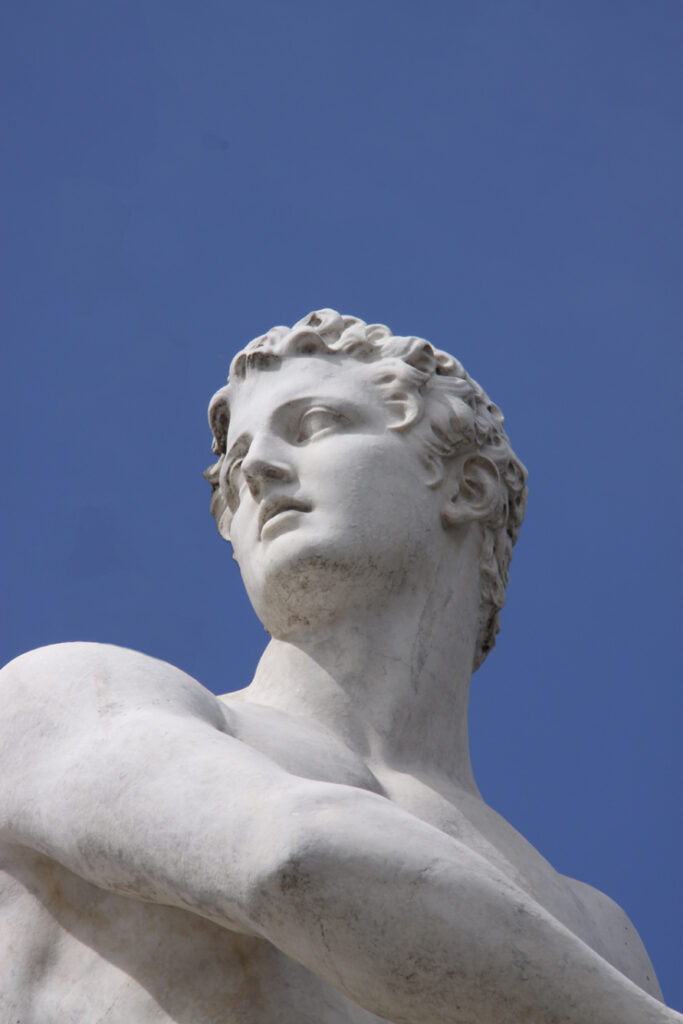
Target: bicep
(134, 785)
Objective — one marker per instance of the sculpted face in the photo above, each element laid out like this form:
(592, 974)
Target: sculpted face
(330, 506)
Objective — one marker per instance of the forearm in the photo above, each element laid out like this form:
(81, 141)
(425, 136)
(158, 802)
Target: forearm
(421, 930)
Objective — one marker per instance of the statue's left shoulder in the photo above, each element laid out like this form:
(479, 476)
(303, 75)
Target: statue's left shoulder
(617, 939)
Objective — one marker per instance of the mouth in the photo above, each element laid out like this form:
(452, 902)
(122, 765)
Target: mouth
(275, 506)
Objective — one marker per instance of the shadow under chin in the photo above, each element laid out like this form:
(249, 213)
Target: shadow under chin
(311, 590)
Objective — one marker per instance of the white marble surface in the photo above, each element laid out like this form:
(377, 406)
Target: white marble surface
(312, 848)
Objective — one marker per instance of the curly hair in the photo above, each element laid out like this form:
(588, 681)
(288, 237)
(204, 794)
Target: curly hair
(449, 412)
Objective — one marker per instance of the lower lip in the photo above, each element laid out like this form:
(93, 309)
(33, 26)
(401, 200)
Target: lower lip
(280, 523)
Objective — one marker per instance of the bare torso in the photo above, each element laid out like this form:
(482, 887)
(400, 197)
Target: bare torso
(72, 952)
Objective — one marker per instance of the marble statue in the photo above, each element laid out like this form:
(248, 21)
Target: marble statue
(312, 849)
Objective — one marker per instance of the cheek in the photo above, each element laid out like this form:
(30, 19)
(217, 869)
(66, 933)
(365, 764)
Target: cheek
(240, 534)
(378, 507)
(337, 466)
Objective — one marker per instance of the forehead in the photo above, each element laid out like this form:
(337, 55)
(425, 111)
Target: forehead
(262, 392)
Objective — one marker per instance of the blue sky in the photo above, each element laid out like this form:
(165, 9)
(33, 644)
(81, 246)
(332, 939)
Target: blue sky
(502, 178)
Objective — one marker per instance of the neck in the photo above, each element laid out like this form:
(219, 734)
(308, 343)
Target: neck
(393, 681)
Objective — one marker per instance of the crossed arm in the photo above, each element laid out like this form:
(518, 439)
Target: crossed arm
(119, 767)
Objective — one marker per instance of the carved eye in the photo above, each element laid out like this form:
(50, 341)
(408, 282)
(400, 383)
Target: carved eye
(317, 421)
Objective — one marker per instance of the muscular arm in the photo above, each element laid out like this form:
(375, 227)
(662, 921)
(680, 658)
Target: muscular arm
(120, 768)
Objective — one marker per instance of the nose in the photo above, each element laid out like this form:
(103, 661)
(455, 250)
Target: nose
(264, 465)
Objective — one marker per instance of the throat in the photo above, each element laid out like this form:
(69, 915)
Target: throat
(406, 710)
(389, 678)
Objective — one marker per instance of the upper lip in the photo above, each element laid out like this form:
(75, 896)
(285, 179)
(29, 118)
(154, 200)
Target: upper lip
(279, 503)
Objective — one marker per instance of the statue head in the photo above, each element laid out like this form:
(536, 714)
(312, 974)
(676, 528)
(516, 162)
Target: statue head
(457, 429)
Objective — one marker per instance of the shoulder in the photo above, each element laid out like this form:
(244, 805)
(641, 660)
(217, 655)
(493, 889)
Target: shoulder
(72, 703)
(85, 679)
(616, 937)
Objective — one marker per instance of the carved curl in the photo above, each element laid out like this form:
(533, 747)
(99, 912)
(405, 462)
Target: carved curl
(450, 413)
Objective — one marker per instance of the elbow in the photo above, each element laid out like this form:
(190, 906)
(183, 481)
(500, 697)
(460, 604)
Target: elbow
(309, 855)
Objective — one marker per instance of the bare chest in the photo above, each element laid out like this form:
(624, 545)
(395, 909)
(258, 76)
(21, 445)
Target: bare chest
(458, 813)
(310, 753)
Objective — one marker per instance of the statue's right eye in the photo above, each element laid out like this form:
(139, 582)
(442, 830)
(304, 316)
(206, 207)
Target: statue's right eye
(317, 421)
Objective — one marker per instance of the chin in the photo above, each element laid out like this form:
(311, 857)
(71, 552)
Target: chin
(305, 587)
(302, 591)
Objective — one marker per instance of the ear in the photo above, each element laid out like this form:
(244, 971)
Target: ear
(474, 492)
